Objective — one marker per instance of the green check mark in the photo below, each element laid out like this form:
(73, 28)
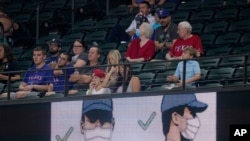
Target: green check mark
(148, 122)
(58, 138)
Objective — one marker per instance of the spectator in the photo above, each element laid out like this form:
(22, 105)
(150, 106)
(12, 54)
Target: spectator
(97, 121)
(83, 77)
(153, 3)
(60, 72)
(167, 33)
(38, 79)
(186, 39)
(96, 87)
(193, 72)
(142, 49)
(7, 63)
(54, 50)
(118, 33)
(80, 57)
(131, 83)
(111, 76)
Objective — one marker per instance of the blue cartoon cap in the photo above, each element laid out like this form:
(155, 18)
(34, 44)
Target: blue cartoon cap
(97, 104)
(140, 19)
(162, 13)
(171, 101)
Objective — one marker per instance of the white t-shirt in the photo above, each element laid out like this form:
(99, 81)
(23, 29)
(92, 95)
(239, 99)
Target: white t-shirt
(101, 91)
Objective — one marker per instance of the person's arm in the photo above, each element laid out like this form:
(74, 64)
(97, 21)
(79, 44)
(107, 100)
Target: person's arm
(131, 29)
(198, 46)
(105, 82)
(136, 84)
(80, 63)
(12, 78)
(134, 3)
(85, 79)
(158, 45)
(74, 77)
(42, 87)
(161, 2)
(24, 87)
(196, 77)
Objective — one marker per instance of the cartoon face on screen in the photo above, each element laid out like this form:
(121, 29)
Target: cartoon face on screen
(97, 122)
(179, 119)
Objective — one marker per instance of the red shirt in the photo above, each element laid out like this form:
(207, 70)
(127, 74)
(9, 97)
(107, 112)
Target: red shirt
(146, 51)
(180, 44)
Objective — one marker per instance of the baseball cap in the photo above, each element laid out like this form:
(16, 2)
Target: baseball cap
(99, 73)
(162, 13)
(140, 19)
(57, 41)
(171, 101)
(97, 104)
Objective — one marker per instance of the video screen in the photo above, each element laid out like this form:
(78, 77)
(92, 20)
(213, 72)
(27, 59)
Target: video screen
(185, 116)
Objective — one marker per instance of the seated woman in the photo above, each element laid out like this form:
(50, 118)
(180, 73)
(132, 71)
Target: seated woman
(7, 63)
(95, 87)
(142, 49)
(80, 57)
(131, 83)
(110, 80)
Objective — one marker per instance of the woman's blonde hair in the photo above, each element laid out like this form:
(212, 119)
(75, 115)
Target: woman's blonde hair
(116, 55)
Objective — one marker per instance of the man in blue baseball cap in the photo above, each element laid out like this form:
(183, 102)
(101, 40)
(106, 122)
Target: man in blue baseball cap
(54, 51)
(97, 122)
(179, 118)
(166, 34)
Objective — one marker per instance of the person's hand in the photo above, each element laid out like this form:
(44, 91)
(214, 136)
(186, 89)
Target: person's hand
(74, 77)
(92, 85)
(53, 65)
(113, 69)
(2, 76)
(179, 84)
(28, 87)
(131, 32)
(49, 93)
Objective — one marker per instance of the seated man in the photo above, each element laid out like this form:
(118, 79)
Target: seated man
(82, 77)
(193, 72)
(54, 51)
(63, 66)
(37, 80)
(186, 39)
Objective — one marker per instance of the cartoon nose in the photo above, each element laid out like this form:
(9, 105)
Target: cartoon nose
(97, 123)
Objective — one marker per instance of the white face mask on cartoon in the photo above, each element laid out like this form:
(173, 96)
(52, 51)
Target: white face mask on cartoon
(97, 134)
(192, 128)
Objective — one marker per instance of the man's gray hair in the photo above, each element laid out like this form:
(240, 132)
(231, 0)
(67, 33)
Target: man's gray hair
(186, 25)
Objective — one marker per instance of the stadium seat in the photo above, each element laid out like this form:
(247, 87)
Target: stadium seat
(71, 37)
(22, 18)
(106, 47)
(106, 24)
(137, 68)
(197, 28)
(245, 38)
(155, 66)
(146, 79)
(26, 55)
(241, 49)
(126, 21)
(221, 75)
(13, 8)
(244, 13)
(2, 87)
(203, 15)
(225, 50)
(239, 26)
(209, 63)
(55, 4)
(123, 47)
(98, 36)
(81, 26)
(161, 78)
(227, 14)
(180, 16)
(214, 27)
(17, 52)
(24, 64)
(207, 40)
(189, 5)
(231, 38)
(232, 61)
(171, 6)
(212, 4)
(118, 11)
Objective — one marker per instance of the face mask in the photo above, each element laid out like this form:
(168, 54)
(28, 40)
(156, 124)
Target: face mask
(97, 134)
(192, 128)
(137, 33)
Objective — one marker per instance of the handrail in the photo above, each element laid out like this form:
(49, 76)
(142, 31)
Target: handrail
(182, 89)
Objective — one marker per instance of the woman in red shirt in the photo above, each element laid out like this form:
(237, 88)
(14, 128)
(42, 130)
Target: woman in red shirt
(142, 49)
